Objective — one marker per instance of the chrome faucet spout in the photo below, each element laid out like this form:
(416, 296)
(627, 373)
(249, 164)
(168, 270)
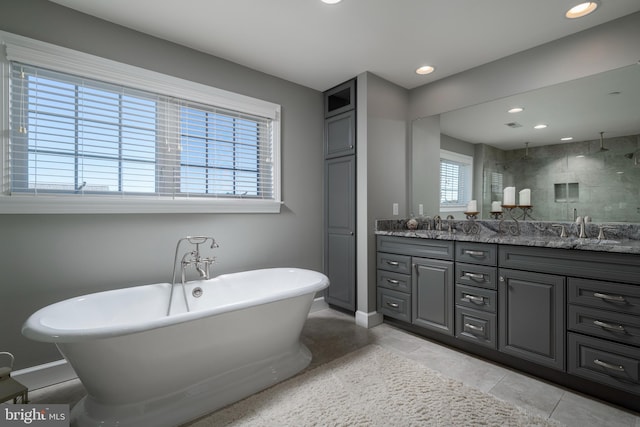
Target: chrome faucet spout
(192, 257)
(581, 223)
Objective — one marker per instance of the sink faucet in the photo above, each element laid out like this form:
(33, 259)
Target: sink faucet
(438, 222)
(450, 223)
(581, 222)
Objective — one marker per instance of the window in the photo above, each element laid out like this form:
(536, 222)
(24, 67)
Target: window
(75, 141)
(456, 172)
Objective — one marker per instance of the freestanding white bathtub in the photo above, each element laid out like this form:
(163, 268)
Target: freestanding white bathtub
(141, 367)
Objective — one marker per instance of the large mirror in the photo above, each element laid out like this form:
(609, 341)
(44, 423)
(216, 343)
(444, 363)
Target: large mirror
(596, 173)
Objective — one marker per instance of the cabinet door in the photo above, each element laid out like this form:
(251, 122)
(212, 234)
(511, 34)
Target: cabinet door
(532, 316)
(340, 135)
(340, 243)
(432, 294)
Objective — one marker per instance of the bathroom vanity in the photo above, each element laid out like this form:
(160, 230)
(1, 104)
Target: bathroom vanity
(564, 309)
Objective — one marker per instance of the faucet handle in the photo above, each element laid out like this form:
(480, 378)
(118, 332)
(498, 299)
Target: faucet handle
(601, 235)
(563, 229)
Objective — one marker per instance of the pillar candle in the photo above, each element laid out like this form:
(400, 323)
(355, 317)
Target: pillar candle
(509, 198)
(472, 206)
(525, 197)
(496, 206)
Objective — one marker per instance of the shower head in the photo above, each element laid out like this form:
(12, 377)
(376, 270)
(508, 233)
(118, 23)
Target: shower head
(526, 151)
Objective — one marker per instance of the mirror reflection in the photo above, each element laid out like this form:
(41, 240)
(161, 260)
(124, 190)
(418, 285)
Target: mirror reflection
(586, 161)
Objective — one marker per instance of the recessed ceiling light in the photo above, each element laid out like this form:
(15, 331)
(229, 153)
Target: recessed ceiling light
(566, 138)
(541, 126)
(331, 1)
(582, 9)
(515, 110)
(425, 69)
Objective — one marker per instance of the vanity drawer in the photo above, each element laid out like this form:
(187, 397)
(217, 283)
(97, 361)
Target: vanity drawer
(476, 326)
(616, 365)
(394, 304)
(476, 298)
(396, 281)
(476, 275)
(477, 253)
(619, 327)
(425, 248)
(394, 262)
(612, 296)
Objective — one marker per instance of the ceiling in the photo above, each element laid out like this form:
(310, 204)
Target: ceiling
(319, 45)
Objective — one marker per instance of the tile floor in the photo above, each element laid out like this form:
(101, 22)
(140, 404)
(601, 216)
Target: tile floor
(330, 334)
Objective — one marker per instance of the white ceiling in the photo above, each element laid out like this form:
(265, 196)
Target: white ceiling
(320, 46)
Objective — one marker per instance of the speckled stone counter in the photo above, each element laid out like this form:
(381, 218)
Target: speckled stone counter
(619, 238)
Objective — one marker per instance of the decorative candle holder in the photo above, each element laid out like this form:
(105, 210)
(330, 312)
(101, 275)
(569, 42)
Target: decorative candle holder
(526, 212)
(471, 226)
(496, 214)
(511, 228)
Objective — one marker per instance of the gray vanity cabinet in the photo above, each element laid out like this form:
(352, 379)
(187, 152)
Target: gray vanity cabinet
(531, 316)
(576, 312)
(340, 195)
(476, 295)
(432, 293)
(604, 337)
(415, 281)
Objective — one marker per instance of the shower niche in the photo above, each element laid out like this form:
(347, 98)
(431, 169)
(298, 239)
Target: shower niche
(567, 192)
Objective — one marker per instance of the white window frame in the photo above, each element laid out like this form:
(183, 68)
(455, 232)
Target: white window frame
(46, 55)
(468, 161)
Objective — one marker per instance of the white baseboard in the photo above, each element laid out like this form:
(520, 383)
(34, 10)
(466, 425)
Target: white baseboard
(45, 375)
(368, 320)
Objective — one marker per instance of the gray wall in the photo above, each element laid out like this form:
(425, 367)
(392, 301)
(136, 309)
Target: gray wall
(46, 258)
(382, 171)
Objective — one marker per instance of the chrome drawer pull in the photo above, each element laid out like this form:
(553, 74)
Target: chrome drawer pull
(618, 368)
(393, 304)
(393, 282)
(393, 263)
(617, 328)
(474, 253)
(475, 276)
(474, 327)
(473, 298)
(614, 298)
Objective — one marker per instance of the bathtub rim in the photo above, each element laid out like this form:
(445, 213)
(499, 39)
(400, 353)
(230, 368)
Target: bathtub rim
(34, 329)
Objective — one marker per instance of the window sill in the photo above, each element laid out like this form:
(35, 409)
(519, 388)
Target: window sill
(102, 205)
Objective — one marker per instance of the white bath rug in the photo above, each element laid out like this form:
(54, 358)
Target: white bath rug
(371, 387)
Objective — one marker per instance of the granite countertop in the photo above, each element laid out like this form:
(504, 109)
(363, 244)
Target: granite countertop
(620, 238)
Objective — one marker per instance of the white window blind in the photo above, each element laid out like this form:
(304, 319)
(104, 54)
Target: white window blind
(455, 180)
(77, 138)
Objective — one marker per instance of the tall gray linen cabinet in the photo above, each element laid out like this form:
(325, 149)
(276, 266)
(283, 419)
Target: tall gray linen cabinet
(340, 195)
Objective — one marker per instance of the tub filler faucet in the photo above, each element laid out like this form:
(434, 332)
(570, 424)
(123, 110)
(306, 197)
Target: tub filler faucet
(191, 258)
